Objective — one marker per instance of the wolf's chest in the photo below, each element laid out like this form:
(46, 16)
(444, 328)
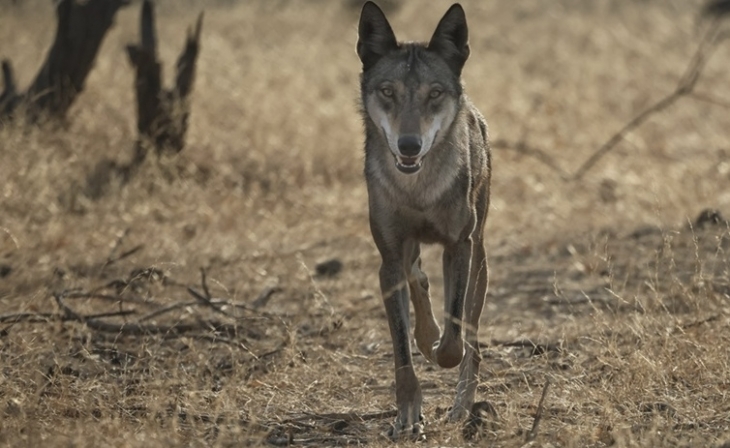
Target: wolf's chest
(442, 223)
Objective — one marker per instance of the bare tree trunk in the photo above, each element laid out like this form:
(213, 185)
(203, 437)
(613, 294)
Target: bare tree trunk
(81, 30)
(9, 98)
(162, 115)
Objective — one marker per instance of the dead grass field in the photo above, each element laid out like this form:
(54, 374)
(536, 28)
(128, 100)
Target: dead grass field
(605, 286)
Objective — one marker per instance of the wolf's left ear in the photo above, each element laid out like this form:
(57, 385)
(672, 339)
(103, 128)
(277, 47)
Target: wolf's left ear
(451, 38)
(375, 36)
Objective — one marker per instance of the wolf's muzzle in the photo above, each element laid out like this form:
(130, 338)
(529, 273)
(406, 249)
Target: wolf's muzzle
(409, 145)
(408, 165)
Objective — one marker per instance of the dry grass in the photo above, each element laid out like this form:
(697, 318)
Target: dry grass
(628, 304)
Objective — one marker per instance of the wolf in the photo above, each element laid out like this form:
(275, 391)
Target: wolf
(427, 170)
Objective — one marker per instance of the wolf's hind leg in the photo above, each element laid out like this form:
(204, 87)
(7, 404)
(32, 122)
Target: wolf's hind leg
(426, 330)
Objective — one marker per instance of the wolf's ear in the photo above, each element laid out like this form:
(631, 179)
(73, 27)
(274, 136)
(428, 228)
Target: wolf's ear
(451, 38)
(375, 36)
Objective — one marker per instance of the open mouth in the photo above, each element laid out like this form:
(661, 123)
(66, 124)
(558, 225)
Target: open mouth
(408, 165)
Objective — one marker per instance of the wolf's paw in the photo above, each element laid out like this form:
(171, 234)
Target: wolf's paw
(448, 354)
(482, 420)
(457, 414)
(399, 431)
(479, 410)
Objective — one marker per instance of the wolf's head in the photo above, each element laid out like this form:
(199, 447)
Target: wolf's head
(411, 91)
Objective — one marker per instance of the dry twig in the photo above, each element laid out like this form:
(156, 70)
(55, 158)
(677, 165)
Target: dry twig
(538, 414)
(205, 299)
(343, 416)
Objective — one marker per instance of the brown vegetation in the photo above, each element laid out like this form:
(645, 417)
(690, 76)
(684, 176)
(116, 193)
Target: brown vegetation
(607, 286)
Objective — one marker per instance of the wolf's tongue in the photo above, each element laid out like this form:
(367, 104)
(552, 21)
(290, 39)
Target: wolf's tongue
(408, 161)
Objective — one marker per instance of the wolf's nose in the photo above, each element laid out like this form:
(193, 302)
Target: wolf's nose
(409, 145)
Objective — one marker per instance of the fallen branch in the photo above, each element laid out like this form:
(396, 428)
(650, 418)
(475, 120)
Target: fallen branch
(136, 329)
(345, 440)
(104, 297)
(343, 416)
(29, 317)
(167, 309)
(205, 299)
(35, 318)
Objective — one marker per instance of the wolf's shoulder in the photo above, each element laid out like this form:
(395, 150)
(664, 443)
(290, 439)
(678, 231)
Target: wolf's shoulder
(474, 119)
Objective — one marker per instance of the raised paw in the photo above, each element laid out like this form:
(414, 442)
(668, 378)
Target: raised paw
(448, 354)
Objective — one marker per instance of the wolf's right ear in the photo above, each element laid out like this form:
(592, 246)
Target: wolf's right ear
(375, 36)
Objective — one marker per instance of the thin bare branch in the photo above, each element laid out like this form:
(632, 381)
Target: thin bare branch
(263, 298)
(206, 301)
(538, 414)
(685, 87)
(113, 258)
(621, 134)
(707, 98)
(204, 284)
(529, 151)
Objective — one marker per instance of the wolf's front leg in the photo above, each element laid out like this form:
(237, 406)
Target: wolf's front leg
(449, 351)
(426, 330)
(409, 422)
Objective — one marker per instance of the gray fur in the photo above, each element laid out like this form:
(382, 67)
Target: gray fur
(427, 169)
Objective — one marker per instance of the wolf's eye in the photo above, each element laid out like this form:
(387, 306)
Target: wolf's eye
(435, 93)
(386, 92)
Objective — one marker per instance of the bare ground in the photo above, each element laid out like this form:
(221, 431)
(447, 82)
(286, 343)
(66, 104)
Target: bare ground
(608, 288)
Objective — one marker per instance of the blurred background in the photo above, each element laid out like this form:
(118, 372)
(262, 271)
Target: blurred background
(274, 154)
(270, 184)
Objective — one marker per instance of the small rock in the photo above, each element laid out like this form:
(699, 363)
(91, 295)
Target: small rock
(12, 408)
(329, 268)
(710, 217)
(607, 190)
